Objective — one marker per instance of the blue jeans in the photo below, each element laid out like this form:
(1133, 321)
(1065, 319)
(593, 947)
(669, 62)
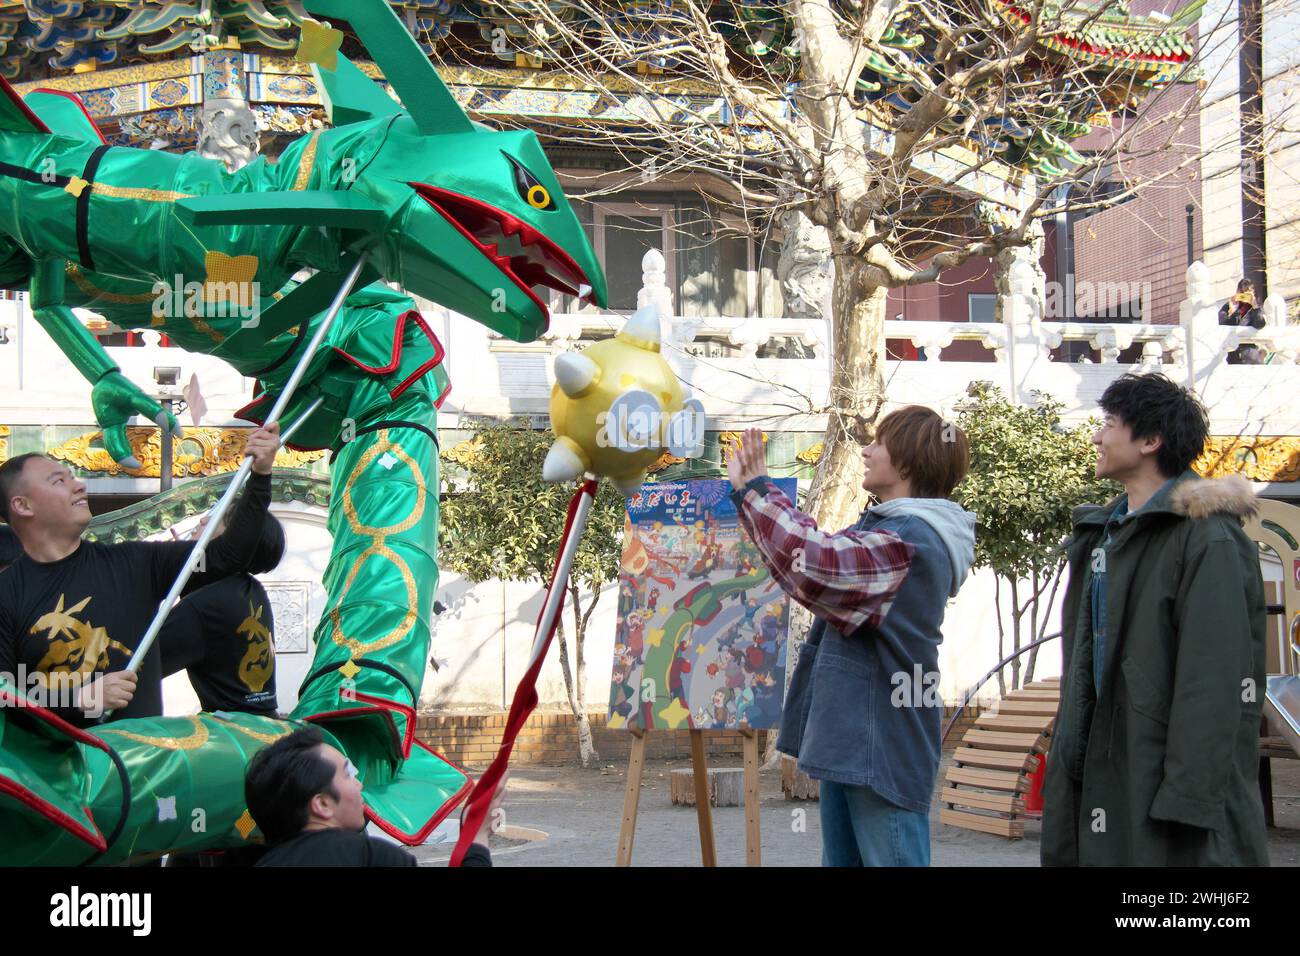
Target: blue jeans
(862, 828)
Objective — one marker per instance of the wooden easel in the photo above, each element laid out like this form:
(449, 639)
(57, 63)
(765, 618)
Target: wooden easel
(703, 809)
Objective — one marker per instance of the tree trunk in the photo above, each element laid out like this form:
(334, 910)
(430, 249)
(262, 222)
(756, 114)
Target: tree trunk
(856, 395)
(857, 392)
(997, 613)
(1040, 630)
(585, 748)
(586, 745)
(1016, 611)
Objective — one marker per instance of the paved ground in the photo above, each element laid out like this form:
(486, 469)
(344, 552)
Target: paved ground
(580, 810)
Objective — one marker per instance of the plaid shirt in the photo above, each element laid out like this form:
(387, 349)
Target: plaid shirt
(850, 577)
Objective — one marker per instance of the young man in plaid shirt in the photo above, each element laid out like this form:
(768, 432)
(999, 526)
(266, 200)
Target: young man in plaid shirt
(863, 711)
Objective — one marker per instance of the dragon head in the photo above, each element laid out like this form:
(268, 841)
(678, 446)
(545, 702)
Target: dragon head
(483, 226)
(475, 218)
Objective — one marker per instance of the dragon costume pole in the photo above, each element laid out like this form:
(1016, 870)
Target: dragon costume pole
(525, 699)
(245, 467)
(214, 520)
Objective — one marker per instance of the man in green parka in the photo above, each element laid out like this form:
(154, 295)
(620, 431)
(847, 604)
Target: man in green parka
(1154, 759)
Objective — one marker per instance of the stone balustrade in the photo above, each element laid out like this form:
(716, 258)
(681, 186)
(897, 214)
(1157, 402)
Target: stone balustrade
(770, 370)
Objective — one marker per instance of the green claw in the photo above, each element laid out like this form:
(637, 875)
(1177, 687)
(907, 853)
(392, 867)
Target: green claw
(116, 444)
(115, 399)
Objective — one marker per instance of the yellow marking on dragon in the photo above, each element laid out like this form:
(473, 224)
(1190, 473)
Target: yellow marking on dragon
(192, 742)
(319, 43)
(305, 163)
(135, 192)
(258, 735)
(80, 280)
(245, 824)
(377, 548)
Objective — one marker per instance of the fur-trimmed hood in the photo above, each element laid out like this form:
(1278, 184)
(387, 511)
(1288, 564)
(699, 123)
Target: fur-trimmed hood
(1202, 497)
(1189, 497)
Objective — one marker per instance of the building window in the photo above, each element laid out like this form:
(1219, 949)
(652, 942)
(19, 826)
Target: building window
(713, 268)
(981, 308)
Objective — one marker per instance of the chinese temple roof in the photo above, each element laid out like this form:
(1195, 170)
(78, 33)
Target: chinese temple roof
(1121, 54)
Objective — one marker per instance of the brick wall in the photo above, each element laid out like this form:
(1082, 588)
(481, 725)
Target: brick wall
(551, 739)
(1144, 240)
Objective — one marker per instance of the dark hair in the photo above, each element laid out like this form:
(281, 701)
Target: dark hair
(281, 781)
(11, 472)
(1151, 405)
(931, 453)
(1245, 285)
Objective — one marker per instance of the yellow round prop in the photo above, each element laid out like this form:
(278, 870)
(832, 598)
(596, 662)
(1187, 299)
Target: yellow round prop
(617, 406)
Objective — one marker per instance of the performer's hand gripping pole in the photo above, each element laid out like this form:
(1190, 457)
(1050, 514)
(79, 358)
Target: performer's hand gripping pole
(525, 699)
(246, 466)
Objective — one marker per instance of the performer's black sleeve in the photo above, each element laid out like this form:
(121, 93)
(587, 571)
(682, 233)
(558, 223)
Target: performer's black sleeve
(181, 640)
(235, 548)
(232, 551)
(8, 645)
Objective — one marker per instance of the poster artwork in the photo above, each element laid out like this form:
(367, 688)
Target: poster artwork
(701, 640)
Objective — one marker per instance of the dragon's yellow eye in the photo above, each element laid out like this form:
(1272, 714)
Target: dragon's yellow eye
(529, 189)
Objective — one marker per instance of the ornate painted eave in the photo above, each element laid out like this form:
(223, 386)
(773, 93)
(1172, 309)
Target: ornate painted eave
(1105, 34)
(163, 510)
(159, 101)
(162, 101)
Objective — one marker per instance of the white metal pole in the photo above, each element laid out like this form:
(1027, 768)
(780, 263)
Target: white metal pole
(246, 466)
(555, 599)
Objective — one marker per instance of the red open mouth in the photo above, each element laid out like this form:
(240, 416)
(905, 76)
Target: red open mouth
(523, 254)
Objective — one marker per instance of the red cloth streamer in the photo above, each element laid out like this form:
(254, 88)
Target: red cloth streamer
(521, 707)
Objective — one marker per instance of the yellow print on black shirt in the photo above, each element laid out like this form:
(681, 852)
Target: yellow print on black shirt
(259, 660)
(75, 646)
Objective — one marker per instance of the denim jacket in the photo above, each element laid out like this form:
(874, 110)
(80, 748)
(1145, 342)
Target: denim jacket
(865, 709)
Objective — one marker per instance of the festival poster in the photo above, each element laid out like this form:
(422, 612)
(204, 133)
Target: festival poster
(702, 626)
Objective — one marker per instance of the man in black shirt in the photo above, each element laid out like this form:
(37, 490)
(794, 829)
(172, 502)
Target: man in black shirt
(73, 611)
(305, 797)
(223, 636)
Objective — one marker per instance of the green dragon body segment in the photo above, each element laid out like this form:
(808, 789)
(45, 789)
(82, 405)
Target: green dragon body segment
(470, 218)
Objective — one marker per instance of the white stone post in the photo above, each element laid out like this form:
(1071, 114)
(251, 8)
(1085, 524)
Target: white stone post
(1199, 317)
(1022, 288)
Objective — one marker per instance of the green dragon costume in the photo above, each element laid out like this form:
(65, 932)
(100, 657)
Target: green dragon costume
(471, 218)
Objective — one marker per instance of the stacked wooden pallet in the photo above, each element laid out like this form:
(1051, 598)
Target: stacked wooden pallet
(984, 789)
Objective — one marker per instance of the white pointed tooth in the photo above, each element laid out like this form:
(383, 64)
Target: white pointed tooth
(643, 326)
(563, 461)
(584, 290)
(575, 373)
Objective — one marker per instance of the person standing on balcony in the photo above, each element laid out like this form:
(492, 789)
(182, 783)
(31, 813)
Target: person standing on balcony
(1154, 756)
(74, 611)
(855, 715)
(1242, 310)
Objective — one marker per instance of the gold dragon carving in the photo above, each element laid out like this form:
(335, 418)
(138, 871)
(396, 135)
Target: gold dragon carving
(203, 451)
